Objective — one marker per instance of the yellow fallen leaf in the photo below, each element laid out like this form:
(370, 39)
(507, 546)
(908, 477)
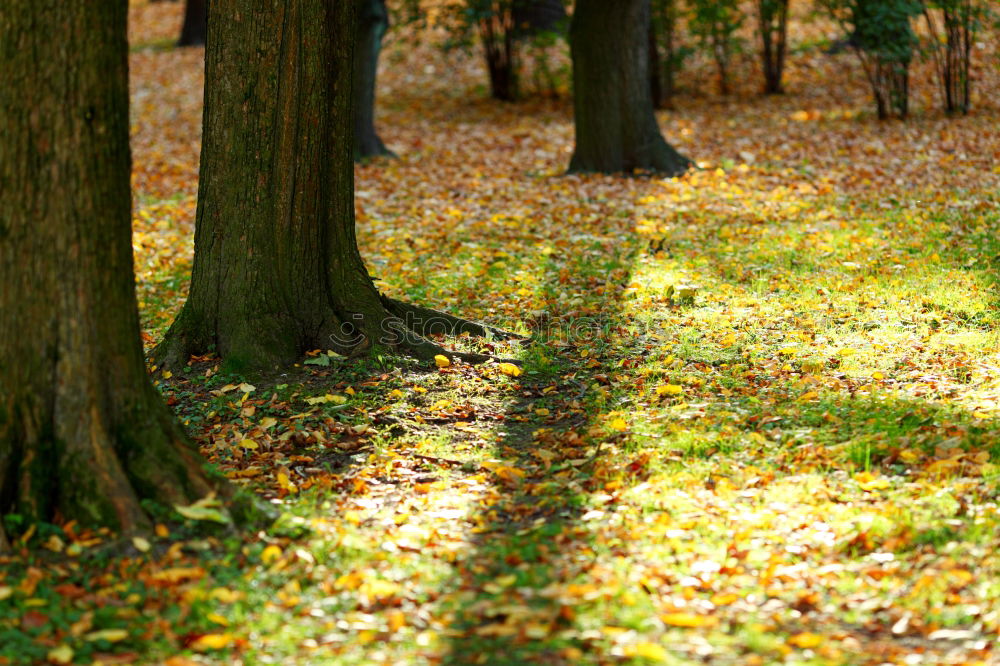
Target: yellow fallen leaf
(509, 473)
(5, 592)
(728, 341)
(442, 361)
(510, 369)
(62, 654)
(646, 650)
(207, 508)
(212, 642)
(688, 620)
(329, 397)
(267, 422)
(877, 375)
(218, 619)
(175, 575)
(669, 389)
(806, 640)
(141, 544)
(248, 444)
(396, 620)
(285, 483)
(541, 411)
(619, 424)
(109, 635)
(270, 554)
(868, 481)
(225, 595)
(724, 598)
(379, 590)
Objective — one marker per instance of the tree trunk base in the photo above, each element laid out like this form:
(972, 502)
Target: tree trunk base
(98, 468)
(387, 324)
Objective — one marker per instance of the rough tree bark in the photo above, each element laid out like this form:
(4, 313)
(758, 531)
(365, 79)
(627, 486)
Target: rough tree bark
(194, 31)
(616, 129)
(83, 433)
(277, 269)
(373, 21)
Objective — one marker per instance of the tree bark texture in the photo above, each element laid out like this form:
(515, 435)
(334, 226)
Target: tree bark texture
(194, 31)
(83, 433)
(616, 130)
(277, 270)
(373, 21)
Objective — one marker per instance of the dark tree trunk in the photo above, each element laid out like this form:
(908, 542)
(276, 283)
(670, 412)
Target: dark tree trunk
(533, 17)
(195, 28)
(951, 47)
(663, 36)
(885, 43)
(616, 129)
(655, 77)
(373, 21)
(496, 32)
(772, 17)
(277, 269)
(83, 433)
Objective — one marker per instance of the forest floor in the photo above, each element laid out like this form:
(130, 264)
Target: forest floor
(760, 422)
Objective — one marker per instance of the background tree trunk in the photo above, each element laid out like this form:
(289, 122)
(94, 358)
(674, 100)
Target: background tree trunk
(195, 28)
(500, 48)
(277, 270)
(83, 433)
(616, 129)
(772, 24)
(373, 21)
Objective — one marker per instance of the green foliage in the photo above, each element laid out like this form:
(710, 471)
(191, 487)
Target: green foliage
(882, 35)
(671, 51)
(715, 23)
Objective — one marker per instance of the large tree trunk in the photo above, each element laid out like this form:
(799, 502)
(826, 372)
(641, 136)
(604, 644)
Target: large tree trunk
(616, 129)
(195, 28)
(277, 269)
(83, 433)
(373, 21)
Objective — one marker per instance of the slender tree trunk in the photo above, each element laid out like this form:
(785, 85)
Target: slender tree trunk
(373, 21)
(500, 50)
(616, 129)
(277, 269)
(83, 433)
(664, 23)
(195, 28)
(772, 17)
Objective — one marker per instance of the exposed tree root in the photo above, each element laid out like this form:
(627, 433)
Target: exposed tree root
(354, 330)
(428, 321)
(404, 329)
